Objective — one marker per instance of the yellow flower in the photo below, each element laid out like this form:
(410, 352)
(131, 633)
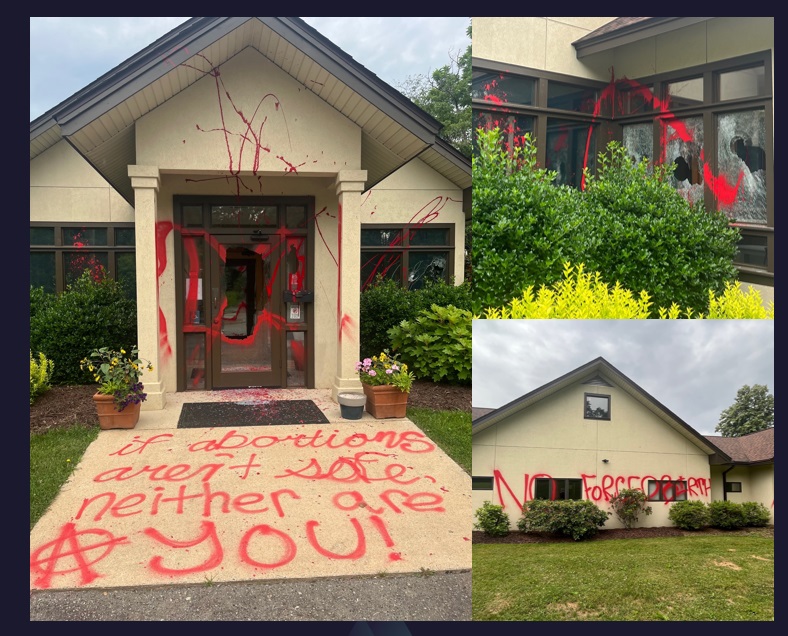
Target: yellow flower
(382, 357)
(122, 351)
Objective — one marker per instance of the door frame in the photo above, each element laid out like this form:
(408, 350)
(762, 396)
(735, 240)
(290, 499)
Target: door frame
(192, 218)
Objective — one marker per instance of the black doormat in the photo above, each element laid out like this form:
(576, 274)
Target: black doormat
(233, 414)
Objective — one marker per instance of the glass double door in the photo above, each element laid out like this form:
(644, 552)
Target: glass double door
(246, 311)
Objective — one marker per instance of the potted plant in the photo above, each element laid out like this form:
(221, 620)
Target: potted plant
(120, 390)
(386, 383)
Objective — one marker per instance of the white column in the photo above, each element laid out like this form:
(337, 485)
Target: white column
(145, 181)
(349, 185)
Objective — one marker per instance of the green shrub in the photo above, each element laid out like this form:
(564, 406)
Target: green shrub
(87, 315)
(40, 375)
(578, 519)
(628, 504)
(586, 295)
(726, 515)
(437, 344)
(443, 295)
(689, 514)
(755, 514)
(492, 520)
(385, 304)
(524, 227)
(639, 230)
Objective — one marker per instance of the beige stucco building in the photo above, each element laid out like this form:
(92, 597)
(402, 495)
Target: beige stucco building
(594, 431)
(697, 92)
(248, 176)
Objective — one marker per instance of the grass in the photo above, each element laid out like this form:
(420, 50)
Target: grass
(719, 578)
(53, 456)
(450, 430)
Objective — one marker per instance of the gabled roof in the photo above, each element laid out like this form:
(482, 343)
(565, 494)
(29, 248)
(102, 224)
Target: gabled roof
(99, 120)
(755, 448)
(626, 30)
(599, 369)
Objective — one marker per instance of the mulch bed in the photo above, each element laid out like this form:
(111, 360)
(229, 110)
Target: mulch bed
(64, 406)
(616, 533)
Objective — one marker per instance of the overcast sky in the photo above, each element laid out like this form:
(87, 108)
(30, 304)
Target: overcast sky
(693, 367)
(67, 54)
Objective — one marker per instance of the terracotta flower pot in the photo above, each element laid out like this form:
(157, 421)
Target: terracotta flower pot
(385, 401)
(110, 417)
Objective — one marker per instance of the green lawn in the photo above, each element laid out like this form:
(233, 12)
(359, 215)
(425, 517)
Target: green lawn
(53, 455)
(450, 430)
(691, 578)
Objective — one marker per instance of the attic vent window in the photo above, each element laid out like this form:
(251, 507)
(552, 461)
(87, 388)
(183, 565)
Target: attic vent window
(596, 407)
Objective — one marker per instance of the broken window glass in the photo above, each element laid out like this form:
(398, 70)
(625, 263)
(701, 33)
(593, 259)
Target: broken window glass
(741, 161)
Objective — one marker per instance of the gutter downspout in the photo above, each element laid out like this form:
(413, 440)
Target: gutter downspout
(724, 490)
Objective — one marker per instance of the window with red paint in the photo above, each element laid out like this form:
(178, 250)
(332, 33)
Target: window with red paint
(553, 489)
(411, 256)
(60, 252)
(667, 490)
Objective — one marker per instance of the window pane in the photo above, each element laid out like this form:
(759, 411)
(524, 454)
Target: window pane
(513, 127)
(429, 236)
(296, 359)
(244, 215)
(682, 140)
(684, 93)
(481, 483)
(748, 82)
(574, 489)
(570, 147)
(127, 272)
(498, 88)
(42, 236)
(42, 271)
(193, 280)
(380, 237)
(597, 407)
(77, 262)
(639, 141)
(194, 345)
(296, 216)
(385, 264)
(192, 216)
(741, 157)
(634, 99)
(84, 236)
(654, 491)
(124, 236)
(424, 266)
(543, 489)
(752, 250)
(580, 99)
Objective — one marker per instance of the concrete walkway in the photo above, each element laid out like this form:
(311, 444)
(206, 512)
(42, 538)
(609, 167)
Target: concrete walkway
(158, 506)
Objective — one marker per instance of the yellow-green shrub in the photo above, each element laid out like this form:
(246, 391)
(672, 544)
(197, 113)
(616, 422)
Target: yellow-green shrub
(586, 295)
(40, 375)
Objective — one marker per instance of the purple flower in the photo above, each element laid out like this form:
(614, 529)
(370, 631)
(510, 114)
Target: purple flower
(389, 371)
(372, 372)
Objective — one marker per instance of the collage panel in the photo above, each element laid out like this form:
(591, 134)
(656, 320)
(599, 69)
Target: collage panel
(623, 333)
